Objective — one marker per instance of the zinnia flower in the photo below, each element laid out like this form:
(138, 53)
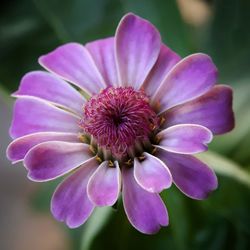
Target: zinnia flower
(124, 115)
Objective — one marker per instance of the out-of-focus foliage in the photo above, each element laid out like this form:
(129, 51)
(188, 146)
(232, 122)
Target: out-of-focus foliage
(229, 38)
(30, 28)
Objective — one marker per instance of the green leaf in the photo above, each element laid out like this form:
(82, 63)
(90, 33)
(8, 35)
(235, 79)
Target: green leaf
(180, 220)
(5, 118)
(71, 19)
(229, 38)
(225, 166)
(94, 225)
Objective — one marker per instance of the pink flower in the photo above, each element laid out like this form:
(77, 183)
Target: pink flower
(121, 115)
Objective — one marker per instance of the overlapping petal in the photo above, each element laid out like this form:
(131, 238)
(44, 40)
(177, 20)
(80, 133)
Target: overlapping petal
(212, 110)
(70, 202)
(185, 139)
(152, 174)
(165, 62)
(103, 53)
(190, 78)
(18, 148)
(137, 47)
(105, 184)
(193, 177)
(74, 63)
(145, 211)
(49, 160)
(33, 115)
(51, 114)
(51, 88)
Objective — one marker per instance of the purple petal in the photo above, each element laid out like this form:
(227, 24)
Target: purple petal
(49, 160)
(185, 139)
(103, 53)
(73, 63)
(190, 78)
(191, 176)
(145, 211)
(152, 174)
(70, 202)
(18, 148)
(33, 115)
(104, 185)
(165, 62)
(137, 48)
(212, 110)
(48, 87)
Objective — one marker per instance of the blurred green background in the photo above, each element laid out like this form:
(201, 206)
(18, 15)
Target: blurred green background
(221, 28)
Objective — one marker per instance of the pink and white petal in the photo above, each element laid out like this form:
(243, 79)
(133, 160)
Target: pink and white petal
(165, 62)
(33, 115)
(212, 110)
(51, 88)
(49, 160)
(191, 77)
(185, 139)
(70, 202)
(145, 211)
(73, 63)
(18, 148)
(152, 174)
(103, 53)
(193, 177)
(137, 48)
(104, 185)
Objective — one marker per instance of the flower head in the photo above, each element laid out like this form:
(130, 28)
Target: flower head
(122, 115)
(119, 119)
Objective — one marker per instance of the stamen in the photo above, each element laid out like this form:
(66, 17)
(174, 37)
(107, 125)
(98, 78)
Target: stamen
(119, 119)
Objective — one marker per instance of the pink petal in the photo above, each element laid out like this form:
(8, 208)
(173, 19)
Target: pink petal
(137, 48)
(70, 202)
(49, 160)
(105, 184)
(190, 78)
(48, 87)
(33, 115)
(185, 139)
(73, 63)
(18, 148)
(145, 211)
(212, 110)
(191, 176)
(165, 62)
(103, 53)
(152, 174)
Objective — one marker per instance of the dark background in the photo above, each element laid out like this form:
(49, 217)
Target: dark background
(30, 28)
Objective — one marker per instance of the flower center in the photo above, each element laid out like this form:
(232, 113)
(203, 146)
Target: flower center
(119, 119)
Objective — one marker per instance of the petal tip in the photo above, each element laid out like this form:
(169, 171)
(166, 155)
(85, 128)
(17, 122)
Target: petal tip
(41, 60)
(10, 155)
(15, 94)
(33, 177)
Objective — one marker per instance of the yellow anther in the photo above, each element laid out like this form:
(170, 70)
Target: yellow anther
(111, 164)
(83, 138)
(141, 158)
(154, 151)
(99, 159)
(128, 162)
(91, 148)
(162, 120)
